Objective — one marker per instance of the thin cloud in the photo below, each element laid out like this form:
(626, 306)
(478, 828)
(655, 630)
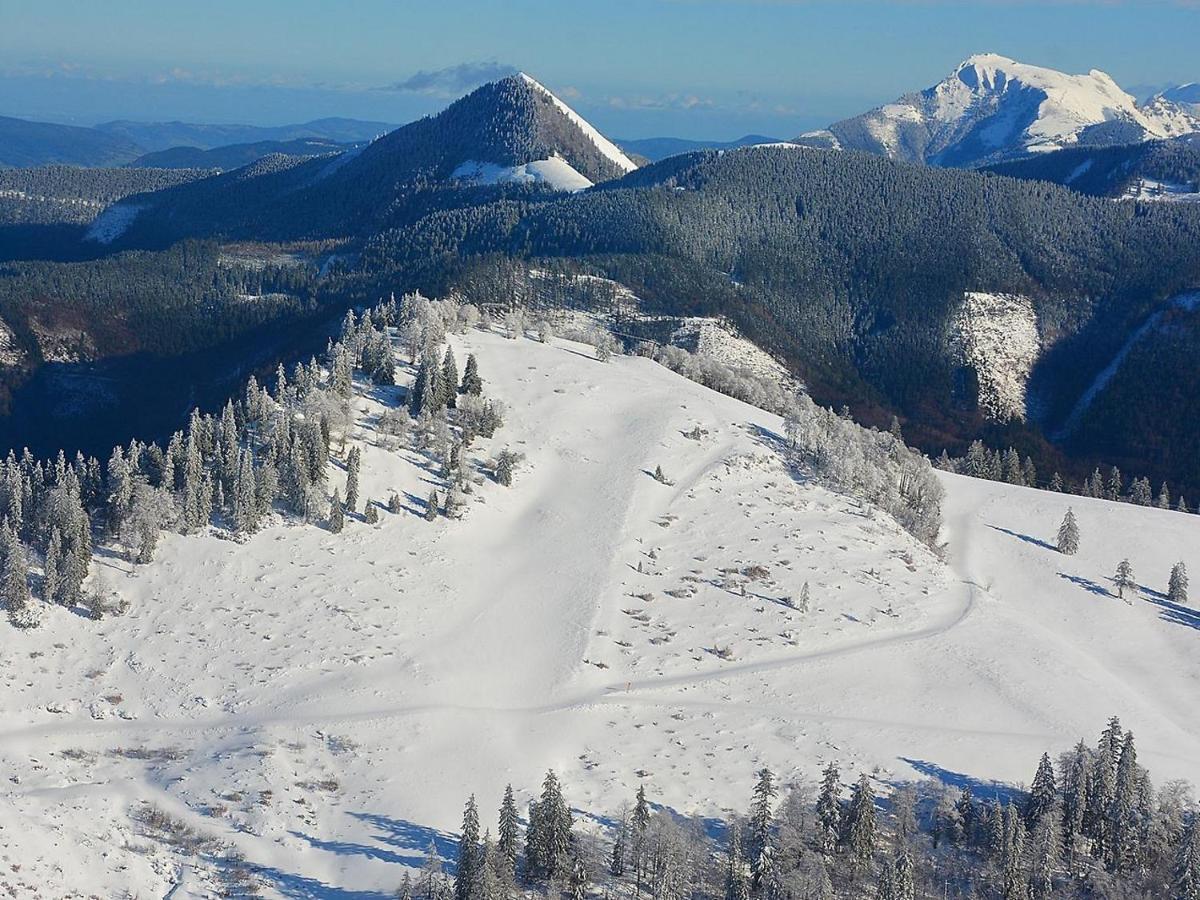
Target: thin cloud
(452, 80)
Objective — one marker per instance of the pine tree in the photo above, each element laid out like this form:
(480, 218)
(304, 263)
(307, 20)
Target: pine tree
(1114, 488)
(1123, 578)
(1164, 497)
(1185, 880)
(639, 832)
(1045, 852)
(555, 825)
(431, 507)
(616, 861)
(1124, 812)
(829, 809)
(859, 828)
(1177, 586)
(903, 886)
(337, 514)
(14, 582)
(1075, 799)
(509, 833)
(370, 512)
(471, 382)
(1068, 534)
(759, 845)
(1043, 794)
(469, 858)
(736, 884)
(1056, 483)
(1012, 857)
(52, 579)
(353, 462)
(449, 379)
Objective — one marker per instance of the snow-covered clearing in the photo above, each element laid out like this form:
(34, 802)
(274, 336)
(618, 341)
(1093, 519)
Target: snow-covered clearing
(997, 336)
(555, 172)
(113, 222)
(324, 703)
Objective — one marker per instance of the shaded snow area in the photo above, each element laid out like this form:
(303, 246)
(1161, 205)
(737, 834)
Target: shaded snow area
(113, 222)
(323, 704)
(996, 335)
(555, 172)
(610, 150)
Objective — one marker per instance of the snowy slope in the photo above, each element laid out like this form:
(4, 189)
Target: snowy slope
(603, 144)
(992, 108)
(554, 172)
(323, 704)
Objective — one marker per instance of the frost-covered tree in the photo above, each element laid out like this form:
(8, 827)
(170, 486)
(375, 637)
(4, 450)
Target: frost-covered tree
(506, 462)
(1043, 793)
(1185, 875)
(1124, 579)
(472, 384)
(337, 514)
(737, 886)
(1177, 586)
(759, 826)
(431, 507)
(1068, 534)
(353, 463)
(370, 512)
(469, 857)
(859, 826)
(829, 809)
(22, 611)
(449, 379)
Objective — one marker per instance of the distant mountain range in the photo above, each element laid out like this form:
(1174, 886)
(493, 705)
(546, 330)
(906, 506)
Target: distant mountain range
(992, 108)
(24, 143)
(234, 156)
(656, 148)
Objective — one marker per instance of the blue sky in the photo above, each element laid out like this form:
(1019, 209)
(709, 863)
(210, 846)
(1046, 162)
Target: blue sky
(636, 68)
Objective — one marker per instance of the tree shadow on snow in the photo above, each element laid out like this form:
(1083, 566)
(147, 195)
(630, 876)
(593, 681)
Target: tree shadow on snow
(411, 837)
(1087, 584)
(979, 788)
(1174, 612)
(291, 885)
(1027, 538)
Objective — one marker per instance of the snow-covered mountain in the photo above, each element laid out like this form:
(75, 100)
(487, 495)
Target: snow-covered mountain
(508, 132)
(993, 108)
(320, 705)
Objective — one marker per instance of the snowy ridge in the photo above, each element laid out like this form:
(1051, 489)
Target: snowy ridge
(610, 150)
(992, 107)
(322, 704)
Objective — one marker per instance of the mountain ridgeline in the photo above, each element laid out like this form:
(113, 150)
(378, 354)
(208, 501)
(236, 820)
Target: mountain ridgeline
(852, 267)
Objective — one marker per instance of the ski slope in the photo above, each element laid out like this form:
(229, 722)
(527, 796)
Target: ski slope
(323, 704)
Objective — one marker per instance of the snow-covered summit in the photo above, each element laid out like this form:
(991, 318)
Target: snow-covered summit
(610, 150)
(992, 107)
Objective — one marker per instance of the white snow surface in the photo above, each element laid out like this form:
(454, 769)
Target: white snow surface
(610, 150)
(113, 222)
(555, 172)
(997, 336)
(324, 704)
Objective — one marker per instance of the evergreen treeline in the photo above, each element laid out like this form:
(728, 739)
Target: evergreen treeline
(1111, 171)
(71, 194)
(1092, 825)
(267, 451)
(1010, 467)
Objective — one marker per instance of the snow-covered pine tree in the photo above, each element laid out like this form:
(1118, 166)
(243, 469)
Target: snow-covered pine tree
(469, 861)
(1075, 803)
(431, 507)
(829, 809)
(1185, 875)
(1164, 497)
(1177, 586)
(1126, 821)
(737, 886)
(616, 859)
(1124, 579)
(471, 382)
(449, 379)
(337, 513)
(1012, 857)
(639, 832)
(14, 581)
(353, 463)
(760, 824)
(859, 828)
(395, 504)
(1045, 854)
(370, 512)
(1056, 482)
(1068, 534)
(1043, 793)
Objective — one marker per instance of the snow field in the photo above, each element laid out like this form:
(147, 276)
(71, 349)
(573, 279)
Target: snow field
(323, 704)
